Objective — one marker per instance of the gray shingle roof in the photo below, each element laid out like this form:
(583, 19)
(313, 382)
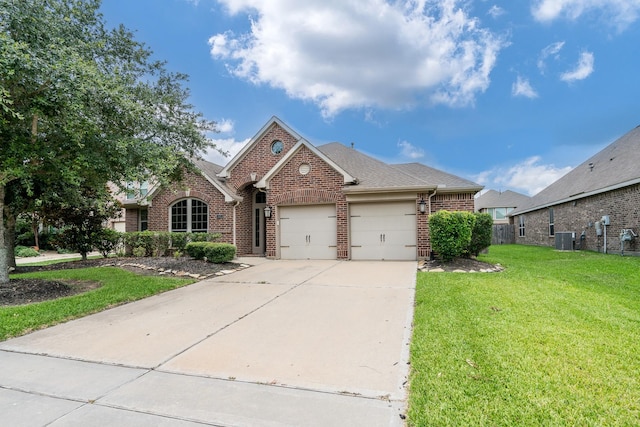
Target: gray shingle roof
(208, 168)
(504, 199)
(616, 165)
(373, 174)
(434, 177)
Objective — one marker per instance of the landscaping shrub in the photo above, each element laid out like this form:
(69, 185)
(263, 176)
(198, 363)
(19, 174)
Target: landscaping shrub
(107, 241)
(158, 243)
(196, 249)
(481, 233)
(211, 251)
(451, 233)
(139, 251)
(139, 239)
(179, 241)
(24, 251)
(219, 253)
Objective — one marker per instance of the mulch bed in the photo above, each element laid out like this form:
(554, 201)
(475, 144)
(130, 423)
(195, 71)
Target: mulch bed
(25, 291)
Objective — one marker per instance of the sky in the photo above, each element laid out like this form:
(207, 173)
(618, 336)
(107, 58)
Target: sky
(508, 94)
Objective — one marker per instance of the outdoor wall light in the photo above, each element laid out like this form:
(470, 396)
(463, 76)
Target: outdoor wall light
(267, 212)
(422, 205)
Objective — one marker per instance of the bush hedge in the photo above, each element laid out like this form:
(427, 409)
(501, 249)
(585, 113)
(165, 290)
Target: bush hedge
(451, 233)
(107, 241)
(24, 251)
(158, 243)
(481, 233)
(217, 253)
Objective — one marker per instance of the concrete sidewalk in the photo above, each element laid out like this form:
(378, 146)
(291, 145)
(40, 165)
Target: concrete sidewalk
(314, 343)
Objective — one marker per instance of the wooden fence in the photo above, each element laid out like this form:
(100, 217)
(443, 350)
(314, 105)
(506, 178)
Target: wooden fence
(503, 234)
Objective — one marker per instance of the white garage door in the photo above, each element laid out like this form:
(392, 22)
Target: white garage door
(385, 231)
(308, 232)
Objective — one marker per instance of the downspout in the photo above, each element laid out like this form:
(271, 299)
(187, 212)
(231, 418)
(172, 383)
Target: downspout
(234, 222)
(429, 213)
(430, 196)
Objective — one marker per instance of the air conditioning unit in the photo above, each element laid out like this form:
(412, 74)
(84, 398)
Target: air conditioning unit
(565, 241)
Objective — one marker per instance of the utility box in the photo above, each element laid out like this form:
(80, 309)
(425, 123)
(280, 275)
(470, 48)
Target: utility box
(565, 241)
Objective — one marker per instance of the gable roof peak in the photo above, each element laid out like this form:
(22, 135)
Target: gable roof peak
(274, 120)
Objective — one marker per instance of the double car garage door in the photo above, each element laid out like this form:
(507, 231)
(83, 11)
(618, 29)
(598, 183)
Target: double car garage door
(379, 231)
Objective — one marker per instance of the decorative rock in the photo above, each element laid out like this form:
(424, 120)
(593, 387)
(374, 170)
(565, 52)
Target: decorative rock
(436, 270)
(227, 271)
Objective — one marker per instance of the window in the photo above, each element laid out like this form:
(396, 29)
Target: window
(144, 219)
(137, 189)
(190, 215)
(501, 213)
(131, 193)
(521, 226)
(551, 223)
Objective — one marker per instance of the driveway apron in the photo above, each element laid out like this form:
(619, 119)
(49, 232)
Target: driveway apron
(279, 343)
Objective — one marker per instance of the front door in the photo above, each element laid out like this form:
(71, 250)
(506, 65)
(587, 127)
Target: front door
(259, 232)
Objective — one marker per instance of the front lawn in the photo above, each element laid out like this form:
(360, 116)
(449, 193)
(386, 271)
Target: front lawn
(117, 287)
(552, 340)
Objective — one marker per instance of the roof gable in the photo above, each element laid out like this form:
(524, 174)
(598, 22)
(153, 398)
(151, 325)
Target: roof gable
(249, 146)
(501, 199)
(264, 182)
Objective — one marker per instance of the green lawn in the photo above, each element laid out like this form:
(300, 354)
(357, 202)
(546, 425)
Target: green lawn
(118, 287)
(553, 340)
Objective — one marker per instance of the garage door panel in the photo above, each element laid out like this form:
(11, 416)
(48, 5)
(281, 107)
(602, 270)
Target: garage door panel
(308, 232)
(383, 231)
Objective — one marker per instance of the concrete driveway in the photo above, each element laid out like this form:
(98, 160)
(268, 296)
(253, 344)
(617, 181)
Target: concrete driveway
(281, 343)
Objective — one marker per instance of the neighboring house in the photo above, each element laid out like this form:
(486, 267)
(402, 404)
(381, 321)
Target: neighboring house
(135, 191)
(283, 197)
(499, 204)
(596, 206)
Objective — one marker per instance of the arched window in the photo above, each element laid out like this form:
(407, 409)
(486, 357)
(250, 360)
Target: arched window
(190, 215)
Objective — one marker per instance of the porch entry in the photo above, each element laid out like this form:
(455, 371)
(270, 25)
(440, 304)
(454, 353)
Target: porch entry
(259, 232)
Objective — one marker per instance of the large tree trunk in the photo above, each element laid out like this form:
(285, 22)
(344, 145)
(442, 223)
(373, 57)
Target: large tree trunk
(10, 240)
(4, 266)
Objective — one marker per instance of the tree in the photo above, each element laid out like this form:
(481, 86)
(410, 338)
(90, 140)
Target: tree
(81, 219)
(82, 105)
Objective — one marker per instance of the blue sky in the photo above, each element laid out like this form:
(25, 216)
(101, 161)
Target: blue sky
(510, 94)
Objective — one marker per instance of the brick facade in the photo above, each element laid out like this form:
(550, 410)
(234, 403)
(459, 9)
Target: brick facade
(622, 206)
(193, 186)
(321, 185)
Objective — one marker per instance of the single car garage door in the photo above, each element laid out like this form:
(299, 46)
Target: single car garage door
(308, 232)
(383, 231)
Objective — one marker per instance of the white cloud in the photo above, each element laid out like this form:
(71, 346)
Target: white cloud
(522, 87)
(410, 151)
(341, 55)
(552, 50)
(583, 69)
(496, 11)
(528, 177)
(228, 145)
(619, 13)
(225, 126)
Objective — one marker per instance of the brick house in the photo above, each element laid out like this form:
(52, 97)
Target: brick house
(596, 206)
(499, 204)
(283, 197)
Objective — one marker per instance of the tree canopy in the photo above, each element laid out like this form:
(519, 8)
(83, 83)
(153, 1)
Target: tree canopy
(83, 104)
